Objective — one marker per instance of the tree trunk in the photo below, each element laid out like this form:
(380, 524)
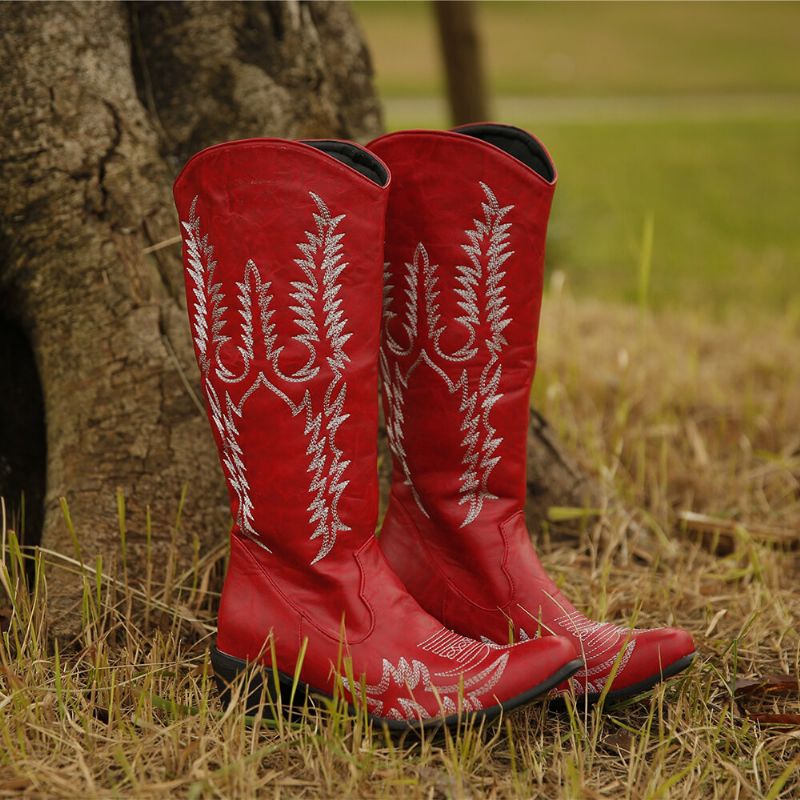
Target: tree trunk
(102, 103)
(553, 478)
(460, 43)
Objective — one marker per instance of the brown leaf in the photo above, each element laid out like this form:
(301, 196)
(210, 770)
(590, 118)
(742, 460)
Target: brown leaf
(792, 720)
(15, 784)
(14, 681)
(620, 740)
(757, 691)
(722, 533)
(785, 685)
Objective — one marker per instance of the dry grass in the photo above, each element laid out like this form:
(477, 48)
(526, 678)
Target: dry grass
(674, 415)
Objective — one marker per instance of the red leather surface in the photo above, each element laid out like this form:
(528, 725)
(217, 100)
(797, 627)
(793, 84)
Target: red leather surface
(466, 229)
(283, 247)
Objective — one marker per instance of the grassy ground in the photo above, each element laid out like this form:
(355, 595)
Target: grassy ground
(609, 49)
(672, 414)
(686, 113)
(725, 221)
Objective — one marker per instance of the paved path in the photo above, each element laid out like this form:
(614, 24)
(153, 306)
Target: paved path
(697, 108)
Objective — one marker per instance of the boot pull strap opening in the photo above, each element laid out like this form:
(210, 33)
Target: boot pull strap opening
(354, 157)
(517, 143)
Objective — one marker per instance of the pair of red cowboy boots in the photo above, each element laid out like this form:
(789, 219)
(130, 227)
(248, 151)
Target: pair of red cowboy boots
(310, 267)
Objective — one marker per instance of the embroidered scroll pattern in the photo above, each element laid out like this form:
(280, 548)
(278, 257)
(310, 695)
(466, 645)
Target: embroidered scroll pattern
(596, 640)
(463, 686)
(484, 317)
(322, 333)
(599, 644)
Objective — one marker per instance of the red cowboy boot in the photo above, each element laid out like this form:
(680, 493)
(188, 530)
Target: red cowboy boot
(283, 246)
(463, 285)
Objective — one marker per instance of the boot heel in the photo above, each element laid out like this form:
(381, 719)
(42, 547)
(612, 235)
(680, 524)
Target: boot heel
(267, 688)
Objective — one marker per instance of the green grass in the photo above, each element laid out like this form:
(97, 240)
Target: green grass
(724, 196)
(671, 414)
(579, 49)
(724, 202)
(686, 112)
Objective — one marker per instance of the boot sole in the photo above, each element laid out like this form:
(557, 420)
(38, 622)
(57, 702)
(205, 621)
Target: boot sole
(636, 688)
(291, 695)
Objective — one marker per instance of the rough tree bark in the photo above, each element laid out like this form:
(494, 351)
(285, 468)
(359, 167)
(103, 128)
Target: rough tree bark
(102, 102)
(462, 56)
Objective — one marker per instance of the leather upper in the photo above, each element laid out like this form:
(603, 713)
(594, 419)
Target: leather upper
(464, 253)
(466, 227)
(283, 247)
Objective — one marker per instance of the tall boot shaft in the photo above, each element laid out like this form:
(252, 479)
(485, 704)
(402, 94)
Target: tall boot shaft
(467, 221)
(463, 287)
(282, 245)
(283, 249)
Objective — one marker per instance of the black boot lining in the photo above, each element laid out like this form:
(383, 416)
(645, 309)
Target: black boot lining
(516, 143)
(355, 157)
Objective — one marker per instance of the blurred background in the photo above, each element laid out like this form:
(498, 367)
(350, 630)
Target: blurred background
(675, 128)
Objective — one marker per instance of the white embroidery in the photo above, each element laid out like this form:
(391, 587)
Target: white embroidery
(597, 640)
(596, 637)
(394, 382)
(319, 315)
(466, 652)
(482, 300)
(208, 324)
(328, 487)
(208, 308)
(585, 681)
(447, 687)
